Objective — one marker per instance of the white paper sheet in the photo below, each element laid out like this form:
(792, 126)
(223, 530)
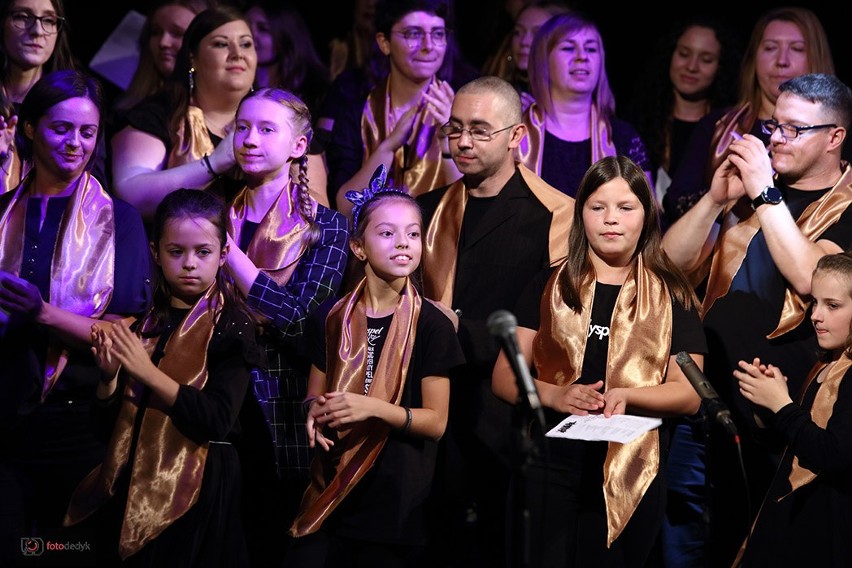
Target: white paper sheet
(595, 427)
(117, 58)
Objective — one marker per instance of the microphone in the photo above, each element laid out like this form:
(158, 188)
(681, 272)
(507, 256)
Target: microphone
(714, 405)
(503, 325)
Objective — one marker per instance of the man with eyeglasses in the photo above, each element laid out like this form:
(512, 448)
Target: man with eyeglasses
(485, 237)
(755, 238)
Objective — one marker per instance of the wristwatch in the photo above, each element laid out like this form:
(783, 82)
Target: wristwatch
(771, 195)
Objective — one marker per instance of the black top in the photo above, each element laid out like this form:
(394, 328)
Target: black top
(687, 335)
(564, 163)
(388, 505)
(737, 324)
(812, 525)
(23, 348)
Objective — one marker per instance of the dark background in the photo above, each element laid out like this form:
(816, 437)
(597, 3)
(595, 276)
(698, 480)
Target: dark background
(630, 30)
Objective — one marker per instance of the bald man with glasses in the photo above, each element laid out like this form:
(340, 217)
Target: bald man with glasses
(751, 243)
(485, 237)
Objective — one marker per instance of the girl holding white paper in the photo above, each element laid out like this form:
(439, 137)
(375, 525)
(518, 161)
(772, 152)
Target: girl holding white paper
(609, 320)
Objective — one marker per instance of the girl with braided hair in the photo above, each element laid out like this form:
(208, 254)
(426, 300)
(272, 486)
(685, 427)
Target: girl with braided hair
(288, 255)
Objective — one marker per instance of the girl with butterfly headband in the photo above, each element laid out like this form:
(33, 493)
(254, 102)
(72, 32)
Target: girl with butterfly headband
(378, 398)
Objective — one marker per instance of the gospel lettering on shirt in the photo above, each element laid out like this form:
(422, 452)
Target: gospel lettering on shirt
(377, 329)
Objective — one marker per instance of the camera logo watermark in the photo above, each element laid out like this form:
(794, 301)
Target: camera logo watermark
(32, 546)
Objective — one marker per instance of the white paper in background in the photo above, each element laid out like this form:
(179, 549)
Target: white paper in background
(596, 427)
(118, 57)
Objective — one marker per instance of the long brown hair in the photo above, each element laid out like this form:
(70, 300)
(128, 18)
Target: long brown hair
(650, 239)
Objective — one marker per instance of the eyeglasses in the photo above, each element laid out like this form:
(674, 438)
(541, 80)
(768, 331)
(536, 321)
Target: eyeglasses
(477, 132)
(414, 36)
(789, 131)
(24, 21)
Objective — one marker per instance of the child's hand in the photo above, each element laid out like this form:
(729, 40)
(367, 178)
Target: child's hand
(615, 401)
(344, 408)
(315, 434)
(101, 346)
(580, 399)
(766, 387)
(128, 350)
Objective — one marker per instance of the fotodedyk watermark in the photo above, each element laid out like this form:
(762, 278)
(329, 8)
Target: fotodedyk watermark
(37, 546)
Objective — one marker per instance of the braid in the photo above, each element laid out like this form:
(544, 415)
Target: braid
(306, 209)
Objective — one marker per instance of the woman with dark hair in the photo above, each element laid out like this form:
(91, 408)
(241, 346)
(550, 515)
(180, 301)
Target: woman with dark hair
(602, 331)
(785, 42)
(174, 139)
(693, 73)
(34, 41)
(71, 255)
(397, 124)
(572, 123)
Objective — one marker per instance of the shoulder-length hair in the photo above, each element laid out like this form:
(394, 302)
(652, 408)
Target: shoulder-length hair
(650, 239)
(816, 45)
(52, 89)
(546, 39)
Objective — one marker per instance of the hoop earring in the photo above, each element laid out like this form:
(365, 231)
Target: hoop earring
(191, 79)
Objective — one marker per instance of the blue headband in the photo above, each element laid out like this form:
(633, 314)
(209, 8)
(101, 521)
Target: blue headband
(376, 187)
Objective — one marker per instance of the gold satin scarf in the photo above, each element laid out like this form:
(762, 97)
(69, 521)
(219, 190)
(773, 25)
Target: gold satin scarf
(737, 233)
(639, 351)
(192, 139)
(279, 241)
(168, 467)
(440, 250)
(821, 411)
(531, 149)
(417, 166)
(83, 264)
(357, 448)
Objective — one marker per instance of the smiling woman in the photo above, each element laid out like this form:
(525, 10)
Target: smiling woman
(572, 122)
(398, 125)
(175, 138)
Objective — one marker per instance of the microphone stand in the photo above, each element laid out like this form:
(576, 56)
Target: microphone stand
(524, 420)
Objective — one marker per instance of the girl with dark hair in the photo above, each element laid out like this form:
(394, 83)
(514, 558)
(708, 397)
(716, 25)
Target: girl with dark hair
(378, 400)
(70, 255)
(169, 485)
(295, 255)
(602, 331)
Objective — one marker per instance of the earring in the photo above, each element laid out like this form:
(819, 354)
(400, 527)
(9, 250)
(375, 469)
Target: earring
(191, 79)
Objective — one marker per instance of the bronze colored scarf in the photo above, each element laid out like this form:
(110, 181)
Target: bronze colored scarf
(279, 241)
(417, 166)
(531, 149)
(639, 350)
(167, 469)
(192, 139)
(356, 448)
(737, 233)
(440, 250)
(821, 411)
(82, 269)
